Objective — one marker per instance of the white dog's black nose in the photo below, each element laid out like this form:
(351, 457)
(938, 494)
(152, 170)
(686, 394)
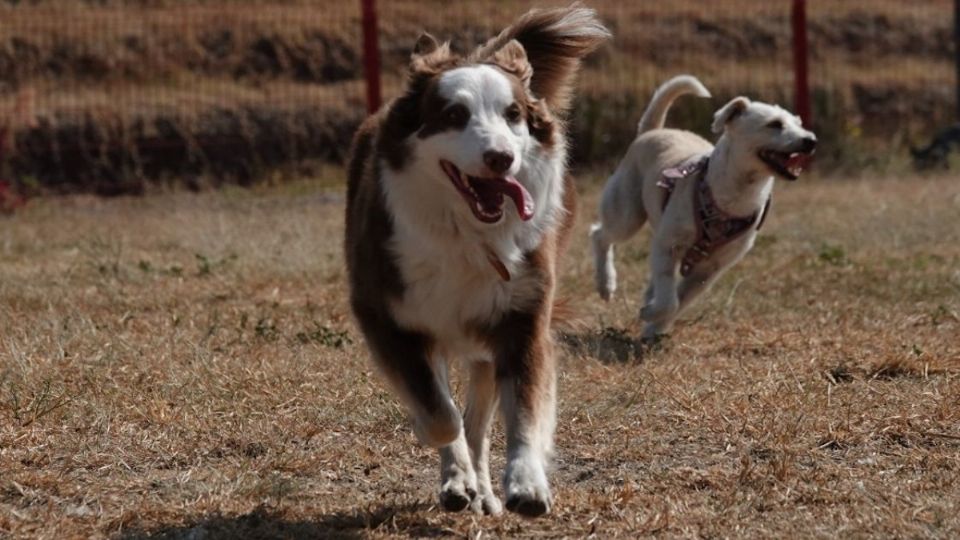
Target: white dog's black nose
(498, 162)
(808, 144)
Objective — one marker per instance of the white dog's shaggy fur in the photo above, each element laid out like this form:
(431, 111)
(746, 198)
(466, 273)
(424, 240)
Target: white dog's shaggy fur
(759, 142)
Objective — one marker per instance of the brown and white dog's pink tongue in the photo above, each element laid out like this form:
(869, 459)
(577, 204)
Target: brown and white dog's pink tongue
(520, 196)
(491, 190)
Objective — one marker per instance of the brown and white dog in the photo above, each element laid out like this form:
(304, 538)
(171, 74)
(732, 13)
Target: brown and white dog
(458, 203)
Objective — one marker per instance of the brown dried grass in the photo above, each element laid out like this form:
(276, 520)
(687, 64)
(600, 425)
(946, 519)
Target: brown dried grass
(185, 366)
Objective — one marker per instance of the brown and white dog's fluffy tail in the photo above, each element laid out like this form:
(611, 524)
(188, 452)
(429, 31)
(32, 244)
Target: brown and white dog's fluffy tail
(555, 40)
(656, 114)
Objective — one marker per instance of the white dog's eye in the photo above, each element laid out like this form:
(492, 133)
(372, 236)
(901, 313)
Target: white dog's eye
(513, 113)
(776, 124)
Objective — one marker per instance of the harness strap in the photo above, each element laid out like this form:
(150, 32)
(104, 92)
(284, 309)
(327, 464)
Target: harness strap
(715, 228)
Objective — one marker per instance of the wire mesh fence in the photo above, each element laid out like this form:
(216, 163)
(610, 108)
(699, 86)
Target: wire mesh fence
(113, 95)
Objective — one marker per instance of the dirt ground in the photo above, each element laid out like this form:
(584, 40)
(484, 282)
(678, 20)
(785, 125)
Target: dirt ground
(185, 366)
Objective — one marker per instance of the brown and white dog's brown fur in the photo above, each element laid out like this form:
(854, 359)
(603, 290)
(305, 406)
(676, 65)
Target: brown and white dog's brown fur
(457, 206)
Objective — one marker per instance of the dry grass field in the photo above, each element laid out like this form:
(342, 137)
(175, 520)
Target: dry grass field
(185, 366)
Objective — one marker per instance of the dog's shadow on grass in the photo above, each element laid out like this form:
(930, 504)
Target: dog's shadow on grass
(262, 523)
(609, 345)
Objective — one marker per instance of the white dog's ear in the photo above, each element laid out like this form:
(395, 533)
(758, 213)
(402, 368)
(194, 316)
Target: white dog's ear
(728, 113)
(512, 58)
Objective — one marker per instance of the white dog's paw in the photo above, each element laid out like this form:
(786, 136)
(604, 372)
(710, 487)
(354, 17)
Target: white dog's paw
(649, 312)
(659, 309)
(486, 504)
(527, 491)
(653, 336)
(458, 491)
(606, 285)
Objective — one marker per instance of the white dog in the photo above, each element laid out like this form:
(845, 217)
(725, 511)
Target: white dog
(458, 206)
(704, 203)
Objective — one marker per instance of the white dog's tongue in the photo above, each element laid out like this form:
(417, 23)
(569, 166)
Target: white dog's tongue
(797, 163)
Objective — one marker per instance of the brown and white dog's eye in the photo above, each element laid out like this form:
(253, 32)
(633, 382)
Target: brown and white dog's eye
(775, 124)
(513, 114)
(456, 115)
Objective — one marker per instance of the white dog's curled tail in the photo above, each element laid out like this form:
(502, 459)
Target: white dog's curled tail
(656, 114)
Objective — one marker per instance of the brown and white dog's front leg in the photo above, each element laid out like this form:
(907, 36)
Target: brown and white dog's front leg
(458, 479)
(419, 378)
(526, 377)
(464, 464)
(481, 403)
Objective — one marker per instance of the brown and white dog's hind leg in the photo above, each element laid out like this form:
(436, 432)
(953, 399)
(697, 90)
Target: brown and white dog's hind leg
(526, 377)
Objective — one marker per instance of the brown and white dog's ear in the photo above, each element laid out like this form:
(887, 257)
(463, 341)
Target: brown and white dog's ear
(555, 40)
(728, 113)
(426, 44)
(512, 58)
(428, 54)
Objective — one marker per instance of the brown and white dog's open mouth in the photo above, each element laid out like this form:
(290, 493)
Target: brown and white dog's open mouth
(485, 196)
(789, 165)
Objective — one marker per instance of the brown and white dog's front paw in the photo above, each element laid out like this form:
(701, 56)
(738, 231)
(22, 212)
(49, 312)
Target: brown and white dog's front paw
(486, 503)
(527, 491)
(459, 490)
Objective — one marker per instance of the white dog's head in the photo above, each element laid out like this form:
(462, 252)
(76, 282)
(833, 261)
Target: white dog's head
(773, 138)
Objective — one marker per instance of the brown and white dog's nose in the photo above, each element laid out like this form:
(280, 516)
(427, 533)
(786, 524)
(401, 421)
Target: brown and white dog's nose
(808, 144)
(498, 162)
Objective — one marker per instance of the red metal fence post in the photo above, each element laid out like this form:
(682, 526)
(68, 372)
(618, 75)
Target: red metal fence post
(371, 54)
(801, 81)
(956, 48)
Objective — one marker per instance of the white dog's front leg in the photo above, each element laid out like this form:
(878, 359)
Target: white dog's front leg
(695, 284)
(663, 278)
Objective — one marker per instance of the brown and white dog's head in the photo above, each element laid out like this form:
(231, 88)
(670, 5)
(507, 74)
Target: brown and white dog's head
(473, 132)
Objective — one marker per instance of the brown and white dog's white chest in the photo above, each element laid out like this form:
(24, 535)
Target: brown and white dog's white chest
(452, 288)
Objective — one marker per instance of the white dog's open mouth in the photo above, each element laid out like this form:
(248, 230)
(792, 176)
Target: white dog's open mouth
(485, 196)
(787, 164)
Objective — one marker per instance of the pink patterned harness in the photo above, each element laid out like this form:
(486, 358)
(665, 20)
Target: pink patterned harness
(715, 228)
